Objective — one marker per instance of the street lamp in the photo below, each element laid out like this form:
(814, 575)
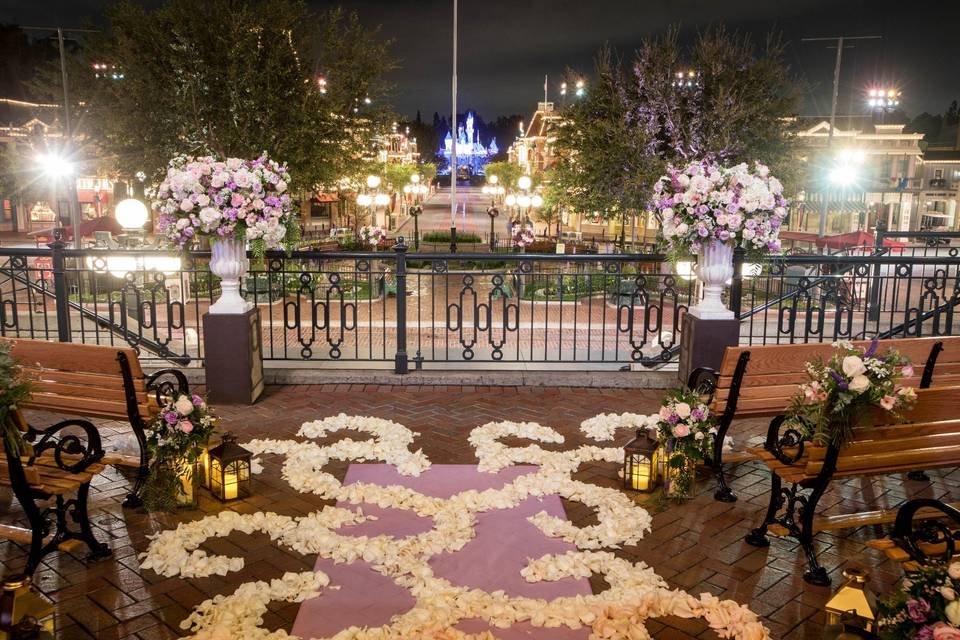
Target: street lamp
(373, 182)
(524, 182)
(581, 88)
(493, 212)
(54, 166)
(883, 100)
(322, 85)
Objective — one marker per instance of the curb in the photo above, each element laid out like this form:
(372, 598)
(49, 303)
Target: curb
(664, 379)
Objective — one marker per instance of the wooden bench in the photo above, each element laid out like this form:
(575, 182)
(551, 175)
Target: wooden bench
(93, 381)
(925, 531)
(758, 382)
(62, 463)
(927, 437)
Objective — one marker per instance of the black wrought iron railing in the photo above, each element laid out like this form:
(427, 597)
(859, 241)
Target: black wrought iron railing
(404, 309)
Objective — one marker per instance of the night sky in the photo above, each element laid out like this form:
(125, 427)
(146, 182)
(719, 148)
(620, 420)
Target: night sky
(506, 47)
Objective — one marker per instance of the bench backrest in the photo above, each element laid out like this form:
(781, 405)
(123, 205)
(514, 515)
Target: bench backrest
(774, 371)
(926, 437)
(80, 379)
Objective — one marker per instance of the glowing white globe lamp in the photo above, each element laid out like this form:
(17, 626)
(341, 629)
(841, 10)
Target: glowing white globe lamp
(131, 213)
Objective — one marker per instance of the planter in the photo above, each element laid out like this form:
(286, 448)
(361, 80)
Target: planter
(229, 263)
(714, 270)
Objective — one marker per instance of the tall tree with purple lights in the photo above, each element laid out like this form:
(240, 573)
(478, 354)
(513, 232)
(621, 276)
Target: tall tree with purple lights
(722, 97)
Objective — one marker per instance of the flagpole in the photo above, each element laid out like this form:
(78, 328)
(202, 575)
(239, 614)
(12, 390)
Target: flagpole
(453, 151)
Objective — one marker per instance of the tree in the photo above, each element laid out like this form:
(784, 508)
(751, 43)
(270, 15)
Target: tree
(235, 78)
(506, 172)
(736, 107)
(602, 160)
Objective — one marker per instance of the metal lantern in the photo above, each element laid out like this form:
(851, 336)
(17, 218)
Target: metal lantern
(201, 468)
(853, 604)
(24, 613)
(229, 469)
(641, 463)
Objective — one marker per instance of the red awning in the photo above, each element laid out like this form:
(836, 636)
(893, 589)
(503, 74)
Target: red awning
(841, 241)
(325, 197)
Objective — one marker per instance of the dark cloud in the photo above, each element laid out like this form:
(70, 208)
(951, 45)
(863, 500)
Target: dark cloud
(506, 47)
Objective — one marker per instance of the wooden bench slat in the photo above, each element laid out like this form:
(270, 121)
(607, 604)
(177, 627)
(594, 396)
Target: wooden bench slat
(24, 536)
(83, 406)
(114, 394)
(880, 516)
(73, 356)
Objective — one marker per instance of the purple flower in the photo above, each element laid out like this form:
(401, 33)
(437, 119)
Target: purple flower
(197, 400)
(272, 201)
(774, 222)
(697, 414)
(170, 417)
(673, 419)
(918, 610)
(702, 231)
(732, 208)
(724, 234)
(924, 633)
(841, 383)
(872, 349)
(188, 232)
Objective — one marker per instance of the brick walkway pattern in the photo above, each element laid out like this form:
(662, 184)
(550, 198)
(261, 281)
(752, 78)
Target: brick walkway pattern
(698, 546)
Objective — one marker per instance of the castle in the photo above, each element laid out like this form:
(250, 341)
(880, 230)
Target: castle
(471, 154)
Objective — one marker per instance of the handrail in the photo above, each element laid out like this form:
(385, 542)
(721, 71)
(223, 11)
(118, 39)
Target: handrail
(127, 335)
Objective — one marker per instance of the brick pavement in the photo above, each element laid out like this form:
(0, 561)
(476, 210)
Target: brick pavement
(698, 547)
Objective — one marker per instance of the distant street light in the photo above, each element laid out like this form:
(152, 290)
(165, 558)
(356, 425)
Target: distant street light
(524, 182)
(54, 166)
(581, 88)
(373, 181)
(322, 84)
(883, 99)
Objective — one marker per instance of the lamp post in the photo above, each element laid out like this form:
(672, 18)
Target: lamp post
(415, 211)
(493, 212)
(883, 100)
(132, 214)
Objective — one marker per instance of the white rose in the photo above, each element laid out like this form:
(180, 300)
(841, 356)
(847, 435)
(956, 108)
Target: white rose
(853, 366)
(682, 409)
(209, 215)
(948, 593)
(749, 234)
(682, 228)
(954, 570)
(184, 406)
(859, 384)
(668, 214)
(953, 612)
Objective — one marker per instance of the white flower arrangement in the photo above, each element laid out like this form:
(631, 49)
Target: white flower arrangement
(636, 591)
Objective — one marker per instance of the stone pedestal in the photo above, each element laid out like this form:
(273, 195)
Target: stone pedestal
(702, 343)
(233, 357)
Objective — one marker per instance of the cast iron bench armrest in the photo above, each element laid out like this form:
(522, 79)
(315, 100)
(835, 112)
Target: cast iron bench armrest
(163, 388)
(69, 443)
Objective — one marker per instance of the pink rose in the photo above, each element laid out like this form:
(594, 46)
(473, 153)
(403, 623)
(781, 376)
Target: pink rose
(907, 371)
(186, 426)
(681, 430)
(943, 631)
(665, 413)
(888, 402)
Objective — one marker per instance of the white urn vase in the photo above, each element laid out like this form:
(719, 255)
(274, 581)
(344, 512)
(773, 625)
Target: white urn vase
(714, 270)
(229, 263)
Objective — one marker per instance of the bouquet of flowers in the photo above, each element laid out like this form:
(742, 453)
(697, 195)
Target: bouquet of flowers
(705, 201)
(372, 235)
(175, 441)
(14, 389)
(522, 236)
(686, 431)
(845, 388)
(245, 199)
(926, 607)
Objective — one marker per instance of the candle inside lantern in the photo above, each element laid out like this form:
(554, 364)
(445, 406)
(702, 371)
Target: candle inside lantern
(230, 485)
(640, 478)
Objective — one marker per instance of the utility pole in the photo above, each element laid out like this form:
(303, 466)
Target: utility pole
(453, 150)
(67, 150)
(822, 229)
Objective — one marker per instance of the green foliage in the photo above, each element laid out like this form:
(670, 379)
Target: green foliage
(603, 164)
(397, 175)
(444, 236)
(507, 173)
(617, 139)
(14, 389)
(428, 171)
(235, 78)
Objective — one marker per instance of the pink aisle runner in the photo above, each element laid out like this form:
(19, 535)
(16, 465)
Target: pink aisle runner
(492, 560)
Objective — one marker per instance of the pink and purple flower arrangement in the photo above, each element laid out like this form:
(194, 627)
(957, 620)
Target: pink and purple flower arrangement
(705, 201)
(686, 431)
(232, 198)
(926, 607)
